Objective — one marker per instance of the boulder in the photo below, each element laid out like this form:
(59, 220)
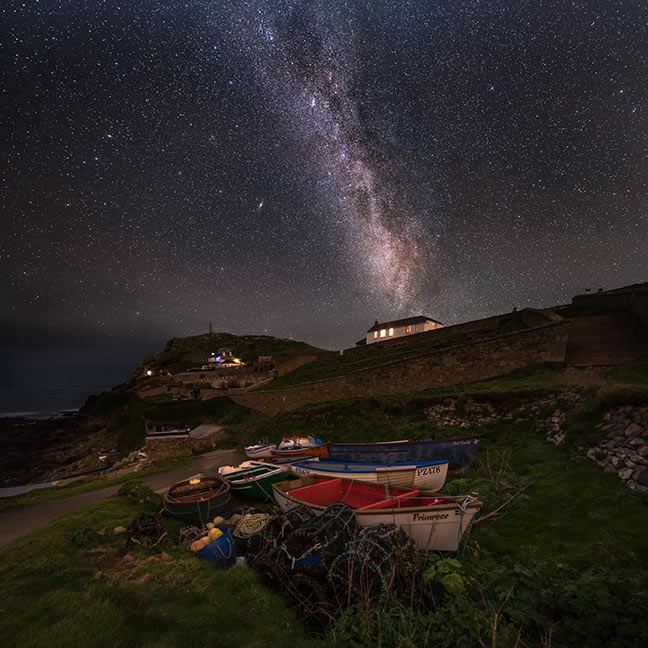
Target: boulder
(625, 473)
(633, 430)
(642, 477)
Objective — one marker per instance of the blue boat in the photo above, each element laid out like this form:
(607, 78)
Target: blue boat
(428, 476)
(460, 452)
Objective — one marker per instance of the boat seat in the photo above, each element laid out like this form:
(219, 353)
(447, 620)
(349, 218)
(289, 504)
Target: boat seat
(390, 501)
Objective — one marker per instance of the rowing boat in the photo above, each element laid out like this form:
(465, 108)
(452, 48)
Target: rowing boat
(253, 481)
(428, 476)
(459, 452)
(435, 523)
(198, 499)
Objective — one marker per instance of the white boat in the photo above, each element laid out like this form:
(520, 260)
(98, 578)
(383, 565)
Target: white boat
(428, 476)
(260, 450)
(435, 523)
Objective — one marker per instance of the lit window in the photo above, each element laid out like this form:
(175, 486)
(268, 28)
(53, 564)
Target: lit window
(408, 328)
(375, 334)
(416, 328)
(383, 332)
(391, 331)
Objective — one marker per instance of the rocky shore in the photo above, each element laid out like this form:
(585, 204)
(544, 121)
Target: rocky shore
(33, 451)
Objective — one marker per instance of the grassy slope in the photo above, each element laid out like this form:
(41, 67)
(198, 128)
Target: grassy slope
(66, 585)
(182, 353)
(373, 355)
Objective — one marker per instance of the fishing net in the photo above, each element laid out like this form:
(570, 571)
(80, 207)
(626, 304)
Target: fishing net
(146, 531)
(326, 563)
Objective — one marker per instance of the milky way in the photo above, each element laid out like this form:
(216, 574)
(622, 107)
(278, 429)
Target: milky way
(308, 60)
(300, 168)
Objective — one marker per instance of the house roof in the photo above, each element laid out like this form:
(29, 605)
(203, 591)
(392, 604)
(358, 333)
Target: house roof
(419, 319)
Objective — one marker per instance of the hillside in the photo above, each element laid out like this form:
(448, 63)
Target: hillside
(181, 354)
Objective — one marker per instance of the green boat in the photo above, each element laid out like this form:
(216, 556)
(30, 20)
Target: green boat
(255, 482)
(199, 499)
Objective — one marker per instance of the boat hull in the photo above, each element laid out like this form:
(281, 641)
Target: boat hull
(425, 476)
(301, 453)
(197, 506)
(255, 482)
(460, 453)
(260, 451)
(433, 527)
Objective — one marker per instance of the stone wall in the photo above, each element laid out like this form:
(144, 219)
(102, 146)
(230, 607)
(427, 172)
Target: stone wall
(451, 366)
(161, 449)
(442, 335)
(634, 298)
(625, 449)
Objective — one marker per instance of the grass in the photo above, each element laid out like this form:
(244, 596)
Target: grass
(83, 485)
(333, 365)
(181, 354)
(635, 372)
(571, 512)
(74, 583)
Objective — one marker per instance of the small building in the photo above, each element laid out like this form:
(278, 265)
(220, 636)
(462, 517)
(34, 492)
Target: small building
(167, 442)
(382, 331)
(224, 360)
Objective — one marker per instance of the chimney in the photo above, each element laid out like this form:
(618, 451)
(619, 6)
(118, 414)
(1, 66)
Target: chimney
(210, 327)
(376, 320)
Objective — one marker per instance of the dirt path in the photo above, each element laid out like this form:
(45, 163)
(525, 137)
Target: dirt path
(15, 523)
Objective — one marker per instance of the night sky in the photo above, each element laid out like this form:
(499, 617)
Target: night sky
(298, 169)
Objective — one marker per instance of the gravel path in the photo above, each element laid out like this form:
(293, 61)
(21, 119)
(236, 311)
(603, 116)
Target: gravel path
(15, 523)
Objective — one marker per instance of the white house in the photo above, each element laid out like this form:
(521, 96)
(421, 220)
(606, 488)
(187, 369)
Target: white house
(382, 331)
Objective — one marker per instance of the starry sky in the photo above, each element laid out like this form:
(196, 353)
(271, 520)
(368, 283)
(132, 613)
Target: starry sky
(298, 168)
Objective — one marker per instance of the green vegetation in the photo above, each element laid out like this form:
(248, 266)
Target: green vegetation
(333, 365)
(181, 354)
(75, 583)
(558, 557)
(635, 372)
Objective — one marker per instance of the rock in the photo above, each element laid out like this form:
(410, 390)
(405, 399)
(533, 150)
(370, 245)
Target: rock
(625, 473)
(643, 451)
(642, 477)
(636, 442)
(633, 430)
(609, 469)
(119, 529)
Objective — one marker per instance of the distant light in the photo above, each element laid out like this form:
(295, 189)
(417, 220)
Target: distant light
(194, 481)
(149, 372)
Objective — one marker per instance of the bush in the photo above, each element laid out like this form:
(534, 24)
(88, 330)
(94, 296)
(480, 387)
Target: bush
(136, 490)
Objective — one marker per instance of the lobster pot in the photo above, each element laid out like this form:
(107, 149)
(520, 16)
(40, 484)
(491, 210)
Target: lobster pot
(221, 551)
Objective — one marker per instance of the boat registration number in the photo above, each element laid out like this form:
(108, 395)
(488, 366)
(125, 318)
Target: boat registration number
(430, 470)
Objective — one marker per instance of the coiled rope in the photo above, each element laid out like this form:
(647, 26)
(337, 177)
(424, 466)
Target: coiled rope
(249, 525)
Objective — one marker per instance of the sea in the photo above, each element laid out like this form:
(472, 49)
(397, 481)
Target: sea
(45, 402)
